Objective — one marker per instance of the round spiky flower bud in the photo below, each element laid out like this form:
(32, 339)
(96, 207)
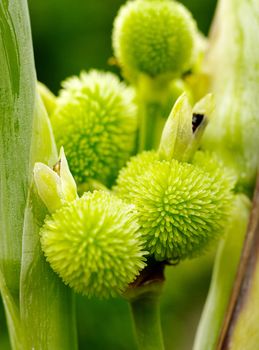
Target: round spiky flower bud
(94, 244)
(135, 167)
(154, 37)
(180, 207)
(95, 121)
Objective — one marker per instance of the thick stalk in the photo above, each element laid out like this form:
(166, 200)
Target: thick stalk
(155, 103)
(144, 300)
(146, 317)
(151, 125)
(240, 329)
(223, 277)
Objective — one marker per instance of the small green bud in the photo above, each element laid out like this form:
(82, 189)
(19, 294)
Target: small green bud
(94, 244)
(96, 122)
(48, 184)
(184, 128)
(181, 207)
(154, 38)
(55, 187)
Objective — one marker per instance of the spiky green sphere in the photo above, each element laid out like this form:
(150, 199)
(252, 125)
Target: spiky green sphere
(129, 175)
(94, 244)
(95, 121)
(154, 38)
(181, 207)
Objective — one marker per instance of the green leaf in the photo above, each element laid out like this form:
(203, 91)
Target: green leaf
(39, 307)
(16, 332)
(47, 306)
(17, 96)
(233, 61)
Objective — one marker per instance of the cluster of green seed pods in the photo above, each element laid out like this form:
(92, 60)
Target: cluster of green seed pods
(169, 203)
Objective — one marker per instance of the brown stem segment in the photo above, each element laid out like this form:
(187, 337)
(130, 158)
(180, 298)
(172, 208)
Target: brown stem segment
(244, 275)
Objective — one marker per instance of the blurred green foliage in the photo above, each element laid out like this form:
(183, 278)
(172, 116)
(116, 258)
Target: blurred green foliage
(70, 36)
(73, 35)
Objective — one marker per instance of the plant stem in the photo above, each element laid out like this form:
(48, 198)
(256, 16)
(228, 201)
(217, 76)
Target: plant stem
(144, 297)
(146, 317)
(154, 106)
(151, 125)
(240, 328)
(223, 277)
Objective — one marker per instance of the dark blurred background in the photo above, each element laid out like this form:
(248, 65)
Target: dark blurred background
(70, 36)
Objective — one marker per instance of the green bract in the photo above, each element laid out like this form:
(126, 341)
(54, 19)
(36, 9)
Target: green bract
(96, 122)
(154, 38)
(180, 207)
(94, 244)
(184, 128)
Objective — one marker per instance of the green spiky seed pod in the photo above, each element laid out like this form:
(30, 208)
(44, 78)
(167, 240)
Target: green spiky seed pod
(94, 244)
(154, 38)
(129, 175)
(95, 121)
(181, 207)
